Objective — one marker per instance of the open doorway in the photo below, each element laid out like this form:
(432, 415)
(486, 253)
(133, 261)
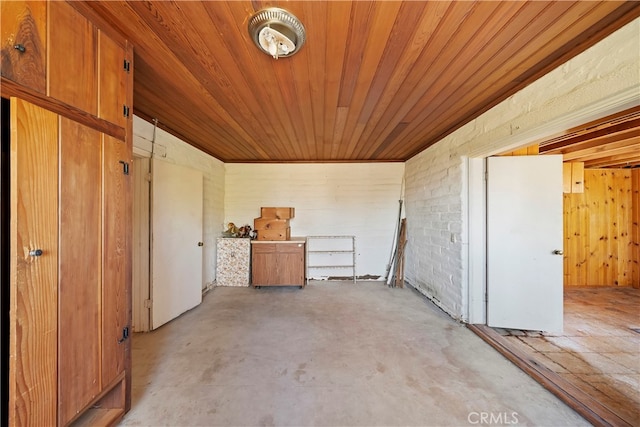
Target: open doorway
(597, 353)
(593, 363)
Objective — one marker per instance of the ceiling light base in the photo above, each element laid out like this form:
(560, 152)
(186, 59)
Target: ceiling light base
(277, 32)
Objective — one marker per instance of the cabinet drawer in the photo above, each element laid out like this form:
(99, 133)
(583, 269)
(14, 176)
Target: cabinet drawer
(290, 248)
(266, 248)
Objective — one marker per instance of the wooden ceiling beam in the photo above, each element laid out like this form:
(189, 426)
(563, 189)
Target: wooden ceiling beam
(628, 147)
(590, 138)
(618, 162)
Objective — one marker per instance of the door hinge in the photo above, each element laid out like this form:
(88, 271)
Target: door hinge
(125, 111)
(149, 177)
(127, 66)
(125, 167)
(125, 335)
(147, 303)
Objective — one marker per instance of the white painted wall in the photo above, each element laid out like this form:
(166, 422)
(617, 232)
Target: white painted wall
(602, 80)
(171, 149)
(329, 199)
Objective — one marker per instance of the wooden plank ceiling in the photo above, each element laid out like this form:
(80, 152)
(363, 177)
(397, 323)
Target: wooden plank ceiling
(375, 81)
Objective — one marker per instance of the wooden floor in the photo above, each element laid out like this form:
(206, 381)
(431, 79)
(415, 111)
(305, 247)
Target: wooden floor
(599, 350)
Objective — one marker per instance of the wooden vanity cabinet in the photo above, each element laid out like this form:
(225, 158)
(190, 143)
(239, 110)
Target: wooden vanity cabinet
(278, 263)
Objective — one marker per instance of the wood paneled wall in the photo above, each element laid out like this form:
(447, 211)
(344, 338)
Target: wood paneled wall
(532, 150)
(601, 240)
(635, 208)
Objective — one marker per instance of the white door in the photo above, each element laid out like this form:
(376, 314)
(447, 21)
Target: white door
(176, 282)
(524, 243)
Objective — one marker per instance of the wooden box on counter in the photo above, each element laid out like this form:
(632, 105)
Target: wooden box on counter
(273, 223)
(270, 224)
(274, 234)
(277, 213)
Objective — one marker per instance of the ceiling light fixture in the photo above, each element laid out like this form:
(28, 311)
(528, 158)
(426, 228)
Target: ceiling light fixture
(276, 32)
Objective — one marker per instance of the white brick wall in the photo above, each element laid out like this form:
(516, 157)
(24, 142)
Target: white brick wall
(173, 150)
(329, 199)
(434, 178)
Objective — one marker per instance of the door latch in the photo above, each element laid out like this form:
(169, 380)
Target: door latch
(125, 167)
(125, 335)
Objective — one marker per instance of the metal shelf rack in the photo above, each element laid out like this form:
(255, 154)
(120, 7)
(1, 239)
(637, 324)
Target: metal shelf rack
(331, 253)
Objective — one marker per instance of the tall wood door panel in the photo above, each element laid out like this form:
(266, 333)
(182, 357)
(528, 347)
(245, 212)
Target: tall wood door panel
(72, 72)
(23, 28)
(79, 319)
(34, 290)
(117, 240)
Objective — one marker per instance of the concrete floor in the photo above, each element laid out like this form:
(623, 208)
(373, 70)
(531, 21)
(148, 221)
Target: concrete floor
(332, 354)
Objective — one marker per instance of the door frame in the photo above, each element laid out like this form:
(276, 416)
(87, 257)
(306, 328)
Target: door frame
(474, 190)
(476, 255)
(141, 253)
(5, 253)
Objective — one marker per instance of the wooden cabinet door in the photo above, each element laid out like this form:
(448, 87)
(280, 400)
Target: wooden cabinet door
(291, 264)
(23, 28)
(72, 58)
(264, 261)
(112, 80)
(34, 290)
(80, 270)
(116, 277)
